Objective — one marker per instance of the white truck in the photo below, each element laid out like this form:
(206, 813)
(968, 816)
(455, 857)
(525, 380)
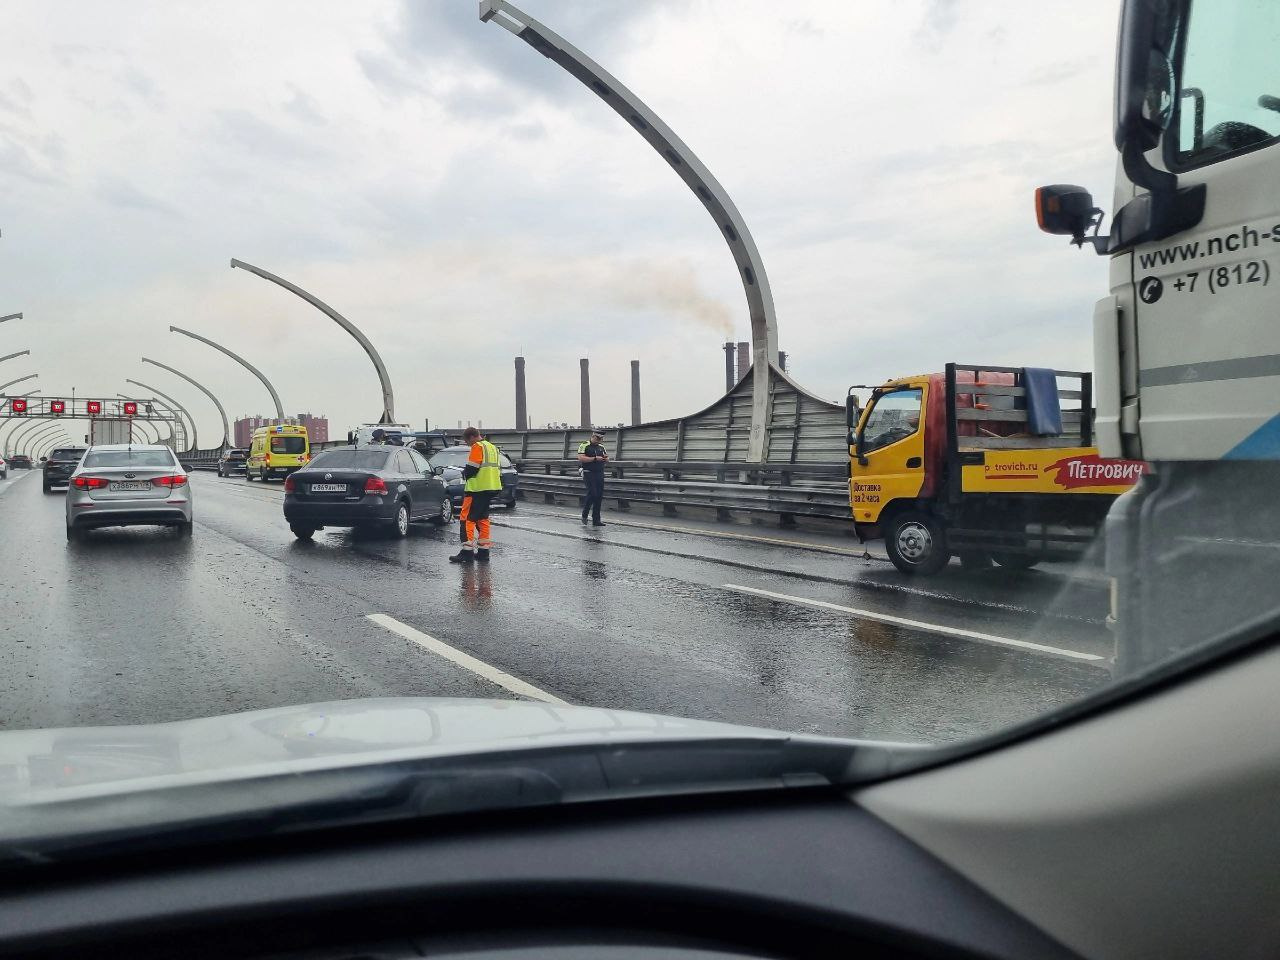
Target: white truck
(110, 430)
(1187, 344)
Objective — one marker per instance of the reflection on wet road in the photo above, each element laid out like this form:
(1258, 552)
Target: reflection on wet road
(647, 614)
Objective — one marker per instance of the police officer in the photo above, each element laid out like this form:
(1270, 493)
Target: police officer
(483, 473)
(593, 456)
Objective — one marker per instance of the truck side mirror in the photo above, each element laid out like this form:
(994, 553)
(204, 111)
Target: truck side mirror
(1063, 208)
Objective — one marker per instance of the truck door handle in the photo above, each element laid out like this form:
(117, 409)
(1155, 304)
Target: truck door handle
(913, 463)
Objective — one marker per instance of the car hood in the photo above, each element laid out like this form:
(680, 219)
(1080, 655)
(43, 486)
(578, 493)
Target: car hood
(81, 761)
(66, 791)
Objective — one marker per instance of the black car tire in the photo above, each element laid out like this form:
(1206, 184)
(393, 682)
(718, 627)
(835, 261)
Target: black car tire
(302, 531)
(400, 525)
(184, 529)
(248, 475)
(47, 487)
(73, 534)
(444, 516)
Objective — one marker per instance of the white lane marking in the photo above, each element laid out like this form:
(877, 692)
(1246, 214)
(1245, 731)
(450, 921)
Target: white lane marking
(918, 624)
(465, 660)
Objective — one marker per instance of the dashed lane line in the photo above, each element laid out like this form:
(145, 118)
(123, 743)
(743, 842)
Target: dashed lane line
(465, 660)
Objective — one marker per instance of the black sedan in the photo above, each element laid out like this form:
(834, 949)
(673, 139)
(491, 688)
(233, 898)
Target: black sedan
(233, 461)
(449, 463)
(59, 466)
(20, 460)
(364, 486)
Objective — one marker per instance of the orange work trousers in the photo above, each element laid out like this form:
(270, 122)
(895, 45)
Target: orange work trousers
(474, 521)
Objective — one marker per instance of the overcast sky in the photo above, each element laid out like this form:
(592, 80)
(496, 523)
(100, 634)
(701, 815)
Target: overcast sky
(464, 200)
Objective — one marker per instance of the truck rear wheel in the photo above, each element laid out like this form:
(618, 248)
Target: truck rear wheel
(916, 543)
(1016, 561)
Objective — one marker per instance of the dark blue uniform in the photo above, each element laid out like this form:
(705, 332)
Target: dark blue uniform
(593, 481)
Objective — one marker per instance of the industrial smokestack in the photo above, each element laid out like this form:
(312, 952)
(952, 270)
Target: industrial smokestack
(635, 393)
(729, 378)
(744, 358)
(522, 409)
(586, 393)
(782, 360)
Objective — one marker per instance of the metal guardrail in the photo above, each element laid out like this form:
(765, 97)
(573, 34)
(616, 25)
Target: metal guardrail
(816, 490)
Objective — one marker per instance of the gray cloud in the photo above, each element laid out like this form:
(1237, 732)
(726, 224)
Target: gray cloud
(123, 194)
(937, 21)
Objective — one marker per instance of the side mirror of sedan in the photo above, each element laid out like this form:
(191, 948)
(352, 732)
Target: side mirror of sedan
(438, 471)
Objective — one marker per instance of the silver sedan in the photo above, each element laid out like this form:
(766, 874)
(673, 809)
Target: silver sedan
(120, 484)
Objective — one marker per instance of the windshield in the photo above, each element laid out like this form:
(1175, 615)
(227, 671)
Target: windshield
(879, 462)
(289, 445)
(128, 458)
(349, 460)
(68, 454)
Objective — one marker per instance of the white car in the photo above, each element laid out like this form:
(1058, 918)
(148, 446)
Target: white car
(122, 484)
(4, 469)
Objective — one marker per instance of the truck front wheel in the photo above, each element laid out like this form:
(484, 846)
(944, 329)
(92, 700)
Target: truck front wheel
(916, 543)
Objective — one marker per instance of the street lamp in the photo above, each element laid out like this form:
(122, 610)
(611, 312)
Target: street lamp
(12, 316)
(10, 356)
(275, 397)
(388, 398)
(19, 436)
(226, 427)
(29, 376)
(687, 166)
(173, 405)
(44, 431)
(172, 435)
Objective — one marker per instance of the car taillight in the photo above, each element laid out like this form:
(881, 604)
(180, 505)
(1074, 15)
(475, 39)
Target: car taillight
(375, 485)
(289, 485)
(174, 481)
(90, 483)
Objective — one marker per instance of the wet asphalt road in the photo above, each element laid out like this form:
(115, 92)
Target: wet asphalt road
(138, 625)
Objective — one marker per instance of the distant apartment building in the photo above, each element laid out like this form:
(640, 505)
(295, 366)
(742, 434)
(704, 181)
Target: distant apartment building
(317, 427)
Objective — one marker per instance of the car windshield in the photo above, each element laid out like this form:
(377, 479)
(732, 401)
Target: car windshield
(288, 444)
(349, 460)
(128, 458)
(880, 460)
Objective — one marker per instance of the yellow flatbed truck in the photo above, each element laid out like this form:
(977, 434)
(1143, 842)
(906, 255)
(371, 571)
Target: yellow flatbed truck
(961, 463)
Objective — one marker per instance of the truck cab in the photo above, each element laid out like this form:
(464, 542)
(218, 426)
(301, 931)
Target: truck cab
(1186, 344)
(964, 463)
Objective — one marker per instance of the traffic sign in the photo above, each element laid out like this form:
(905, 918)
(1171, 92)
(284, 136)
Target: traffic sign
(57, 406)
(130, 408)
(93, 407)
(18, 405)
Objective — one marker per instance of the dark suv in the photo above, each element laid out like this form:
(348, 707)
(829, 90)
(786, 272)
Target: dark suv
(232, 461)
(60, 465)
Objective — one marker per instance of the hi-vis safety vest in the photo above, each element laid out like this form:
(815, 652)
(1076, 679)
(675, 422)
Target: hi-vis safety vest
(490, 475)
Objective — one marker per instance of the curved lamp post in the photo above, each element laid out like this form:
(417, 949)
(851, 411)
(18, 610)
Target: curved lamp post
(12, 316)
(755, 283)
(29, 376)
(10, 356)
(24, 426)
(42, 449)
(275, 397)
(226, 427)
(19, 436)
(13, 424)
(45, 431)
(173, 405)
(388, 398)
(153, 426)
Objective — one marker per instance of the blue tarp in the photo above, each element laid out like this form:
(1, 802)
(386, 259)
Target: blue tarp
(1044, 412)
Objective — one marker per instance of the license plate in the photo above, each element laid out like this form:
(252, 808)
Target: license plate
(328, 488)
(130, 485)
